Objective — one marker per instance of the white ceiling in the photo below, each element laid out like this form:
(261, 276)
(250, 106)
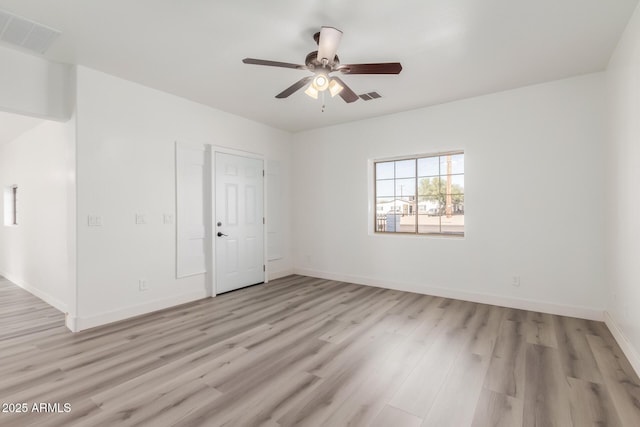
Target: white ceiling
(14, 125)
(450, 49)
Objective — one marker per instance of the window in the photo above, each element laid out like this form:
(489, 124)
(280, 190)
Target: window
(420, 195)
(11, 205)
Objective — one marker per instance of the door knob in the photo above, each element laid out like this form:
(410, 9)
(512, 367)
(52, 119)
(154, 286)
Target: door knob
(220, 234)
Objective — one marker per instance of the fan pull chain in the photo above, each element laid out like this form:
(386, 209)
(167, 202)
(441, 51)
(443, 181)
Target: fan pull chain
(323, 101)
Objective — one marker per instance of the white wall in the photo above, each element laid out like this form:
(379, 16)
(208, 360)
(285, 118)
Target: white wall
(623, 215)
(126, 165)
(39, 253)
(36, 87)
(534, 207)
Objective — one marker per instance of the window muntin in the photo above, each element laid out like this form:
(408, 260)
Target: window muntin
(420, 195)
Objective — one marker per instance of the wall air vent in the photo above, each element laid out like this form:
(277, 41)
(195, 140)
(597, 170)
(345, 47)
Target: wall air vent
(369, 96)
(26, 34)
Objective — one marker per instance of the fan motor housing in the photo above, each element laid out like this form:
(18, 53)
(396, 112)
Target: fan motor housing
(312, 62)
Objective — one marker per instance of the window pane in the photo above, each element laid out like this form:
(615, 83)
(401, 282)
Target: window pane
(456, 161)
(405, 187)
(384, 188)
(457, 184)
(428, 166)
(384, 170)
(384, 205)
(430, 206)
(406, 169)
(429, 186)
(428, 224)
(457, 204)
(405, 205)
(453, 224)
(392, 222)
(407, 222)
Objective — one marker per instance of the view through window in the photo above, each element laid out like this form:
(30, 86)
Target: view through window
(11, 205)
(420, 195)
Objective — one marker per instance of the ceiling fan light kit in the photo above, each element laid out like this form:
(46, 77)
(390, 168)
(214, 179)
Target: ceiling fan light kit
(320, 82)
(323, 62)
(312, 92)
(335, 87)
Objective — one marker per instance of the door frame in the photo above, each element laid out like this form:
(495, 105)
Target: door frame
(211, 244)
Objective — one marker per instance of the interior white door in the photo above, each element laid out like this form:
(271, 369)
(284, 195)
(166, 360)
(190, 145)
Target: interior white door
(239, 222)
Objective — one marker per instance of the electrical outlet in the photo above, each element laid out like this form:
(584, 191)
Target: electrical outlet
(143, 285)
(515, 281)
(94, 221)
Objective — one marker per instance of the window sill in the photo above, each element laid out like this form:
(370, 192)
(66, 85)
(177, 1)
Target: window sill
(443, 235)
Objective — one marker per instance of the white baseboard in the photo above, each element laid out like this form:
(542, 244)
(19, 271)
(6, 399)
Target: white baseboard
(71, 322)
(34, 290)
(623, 342)
(522, 304)
(278, 274)
(82, 323)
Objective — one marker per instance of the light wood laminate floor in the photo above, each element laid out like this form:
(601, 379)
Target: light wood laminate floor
(301, 351)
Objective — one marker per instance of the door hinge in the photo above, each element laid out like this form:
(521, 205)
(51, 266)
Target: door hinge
(263, 221)
(264, 267)
(262, 172)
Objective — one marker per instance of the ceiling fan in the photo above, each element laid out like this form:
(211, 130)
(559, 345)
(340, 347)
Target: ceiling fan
(323, 62)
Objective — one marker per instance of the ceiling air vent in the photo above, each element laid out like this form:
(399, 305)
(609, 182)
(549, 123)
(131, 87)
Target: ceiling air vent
(25, 33)
(369, 96)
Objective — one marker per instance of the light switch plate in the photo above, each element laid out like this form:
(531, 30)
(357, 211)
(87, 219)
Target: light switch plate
(167, 218)
(141, 218)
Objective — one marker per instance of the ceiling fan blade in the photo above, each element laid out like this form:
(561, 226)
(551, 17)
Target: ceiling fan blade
(346, 93)
(294, 87)
(380, 68)
(328, 43)
(273, 63)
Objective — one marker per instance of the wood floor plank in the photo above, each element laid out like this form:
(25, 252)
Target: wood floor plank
(370, 397)
(266, 408)
(164, 405)
(591, 405)
(506, 373)
(420, 390)
(575, 353)
(540, 329)
(621, 381)
(390, 416)
(546, 394)
(335, 389)
(497, 410)
(457, 398)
